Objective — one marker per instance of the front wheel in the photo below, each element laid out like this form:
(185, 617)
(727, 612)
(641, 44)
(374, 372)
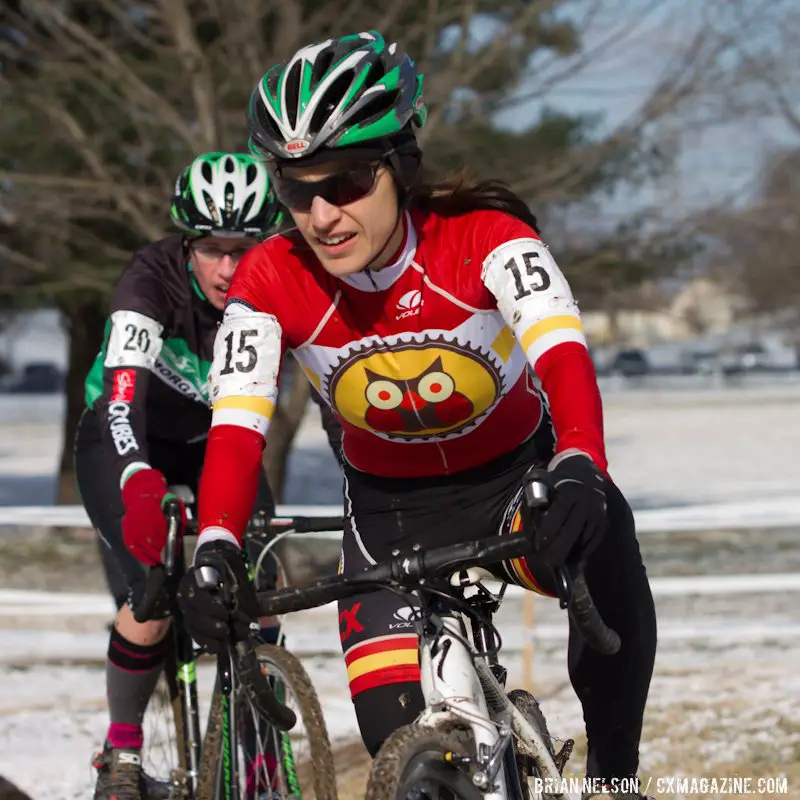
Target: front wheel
(418, 763)
(272, 763)
(528, 769)
(163, 757)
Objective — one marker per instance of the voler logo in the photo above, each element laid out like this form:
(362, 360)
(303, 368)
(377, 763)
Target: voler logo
(409, 304)
(404, 618)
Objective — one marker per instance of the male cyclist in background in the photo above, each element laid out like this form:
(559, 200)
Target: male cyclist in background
(147, 418)
(423, 313)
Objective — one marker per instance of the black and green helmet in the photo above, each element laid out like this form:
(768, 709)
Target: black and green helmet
(221, 194)
(335, 94)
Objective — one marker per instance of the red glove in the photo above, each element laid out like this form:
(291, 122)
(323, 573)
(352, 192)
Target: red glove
(144, 526)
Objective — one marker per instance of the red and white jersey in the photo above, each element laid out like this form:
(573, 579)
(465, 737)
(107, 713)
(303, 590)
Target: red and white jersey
(428, 363)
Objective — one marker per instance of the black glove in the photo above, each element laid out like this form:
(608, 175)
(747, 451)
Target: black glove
(574, 523)
(210, 622)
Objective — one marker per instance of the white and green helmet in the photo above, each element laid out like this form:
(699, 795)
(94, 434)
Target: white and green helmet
(338, 93)
(222, 194)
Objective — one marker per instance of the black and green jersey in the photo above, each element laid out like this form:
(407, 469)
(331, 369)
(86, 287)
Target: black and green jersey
(149, 380)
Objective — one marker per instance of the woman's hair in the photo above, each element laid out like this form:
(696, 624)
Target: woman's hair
(459, 195)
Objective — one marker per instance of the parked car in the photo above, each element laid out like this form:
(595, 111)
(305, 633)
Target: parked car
(36, 378)
(701, 362)
(750, 357)
(630, 363)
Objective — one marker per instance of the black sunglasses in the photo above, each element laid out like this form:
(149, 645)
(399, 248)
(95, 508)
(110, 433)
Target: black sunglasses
(338, 189)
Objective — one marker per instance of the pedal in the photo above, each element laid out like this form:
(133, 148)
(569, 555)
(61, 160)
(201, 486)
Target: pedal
(563, 755)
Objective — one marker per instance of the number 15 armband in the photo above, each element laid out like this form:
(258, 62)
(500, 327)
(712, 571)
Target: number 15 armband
(243, 379)
(533, 296)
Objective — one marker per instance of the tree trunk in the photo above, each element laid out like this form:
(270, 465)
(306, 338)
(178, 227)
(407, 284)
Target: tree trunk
(9, 791)
(289, 412)
(84, 322)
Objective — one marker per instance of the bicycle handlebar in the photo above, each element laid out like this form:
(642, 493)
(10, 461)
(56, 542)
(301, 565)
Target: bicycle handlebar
(263, 526)
(305, 524)
(260, 525)
(587, 618)
(411, 571)
(158, 575)
(571, 587)
(401, 571)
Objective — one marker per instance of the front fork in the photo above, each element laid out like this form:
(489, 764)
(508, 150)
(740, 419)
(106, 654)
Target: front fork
(190, 712)
(451, 688)
(228, 766)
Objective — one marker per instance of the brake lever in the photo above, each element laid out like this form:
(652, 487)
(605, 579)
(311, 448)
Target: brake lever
(209, 577)
(537, 497)
(563, 581)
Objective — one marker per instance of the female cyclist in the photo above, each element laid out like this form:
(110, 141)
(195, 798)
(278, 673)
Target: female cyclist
(435, 322)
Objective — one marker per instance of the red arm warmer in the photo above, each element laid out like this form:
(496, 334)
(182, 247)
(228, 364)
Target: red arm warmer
(229, 482)
(569, 379)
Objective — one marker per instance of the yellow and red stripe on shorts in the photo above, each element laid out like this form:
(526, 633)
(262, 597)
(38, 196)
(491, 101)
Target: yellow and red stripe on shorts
(382, 661)
(517, 569)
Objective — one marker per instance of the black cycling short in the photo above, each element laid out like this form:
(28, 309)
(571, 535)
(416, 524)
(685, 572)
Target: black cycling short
(378, 641)
(102, 498)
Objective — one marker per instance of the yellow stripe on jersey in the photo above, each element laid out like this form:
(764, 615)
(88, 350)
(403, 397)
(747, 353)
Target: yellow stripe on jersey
(504, 343)
(312, 377)
(258, 405)
(253, 413)
(545, 326)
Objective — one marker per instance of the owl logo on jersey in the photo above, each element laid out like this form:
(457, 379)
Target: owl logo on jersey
(416, 391)
(427, 401)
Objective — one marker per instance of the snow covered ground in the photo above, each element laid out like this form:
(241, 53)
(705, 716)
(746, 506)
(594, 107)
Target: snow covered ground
(721, 704)
(664, 447)
(725, 697)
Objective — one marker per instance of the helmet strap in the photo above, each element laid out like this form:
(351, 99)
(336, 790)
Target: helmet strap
(398, 221)
(404, 160)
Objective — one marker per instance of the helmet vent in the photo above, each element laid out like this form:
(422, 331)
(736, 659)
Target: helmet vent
(291, 91)
(265, 126)
(322, 64)
(376, 73)
(245, 210)
(212, 207)
(272, 78)
(333, 96)
(376, 107)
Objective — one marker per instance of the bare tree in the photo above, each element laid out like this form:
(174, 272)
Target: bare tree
(104, 102)
(759, 244)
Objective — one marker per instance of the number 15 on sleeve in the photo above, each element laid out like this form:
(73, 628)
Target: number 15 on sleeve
(533, 296)
(243, 379)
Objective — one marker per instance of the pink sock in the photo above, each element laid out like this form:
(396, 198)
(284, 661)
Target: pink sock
(122, 735)
(255, 773)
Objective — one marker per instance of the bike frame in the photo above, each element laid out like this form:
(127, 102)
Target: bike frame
(189, 707)
(459, 684)
(228, 765)
(227, 781)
